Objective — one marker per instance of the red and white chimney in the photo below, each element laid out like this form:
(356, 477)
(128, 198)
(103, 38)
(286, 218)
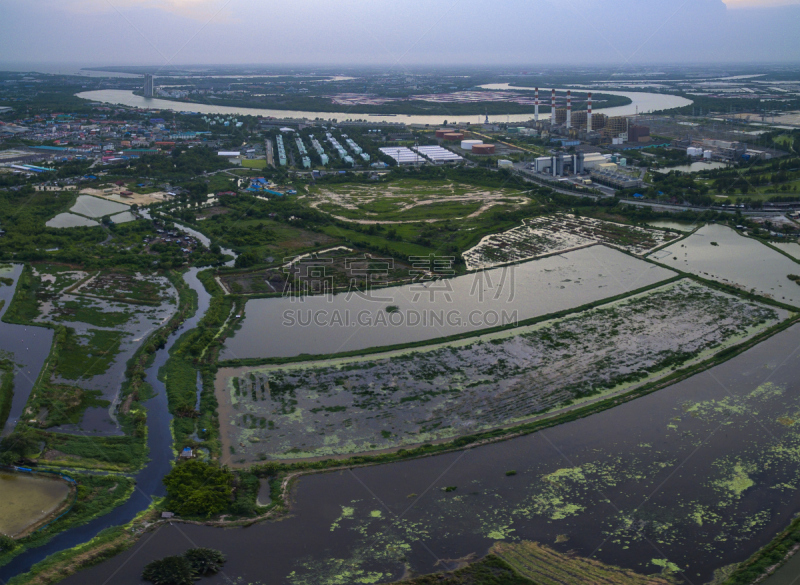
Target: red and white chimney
(569, 109)
(553, 109)
(589, 115)
(536, 106)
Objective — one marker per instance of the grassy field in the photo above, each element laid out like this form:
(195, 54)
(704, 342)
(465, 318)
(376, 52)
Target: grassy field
(544, 566)
(254, 163)
(412, 200)
(82, 357)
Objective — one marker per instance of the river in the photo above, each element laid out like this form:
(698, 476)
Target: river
(148, 479)
(700, 475)
(641, 102)
(645, 102)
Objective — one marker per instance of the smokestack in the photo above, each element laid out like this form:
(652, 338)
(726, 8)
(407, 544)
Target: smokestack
(553, 109)
(589, 115)
(536, 106)
(569, 109)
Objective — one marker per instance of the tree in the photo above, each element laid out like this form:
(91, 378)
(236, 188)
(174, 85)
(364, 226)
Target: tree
(17, 446)
(205, 561)
(197, 488)
(169, 571)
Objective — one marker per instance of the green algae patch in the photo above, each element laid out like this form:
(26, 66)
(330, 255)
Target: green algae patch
(739, 481)
(667, 568)
(571, 474)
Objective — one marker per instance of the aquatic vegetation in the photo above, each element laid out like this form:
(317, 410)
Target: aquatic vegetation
(443, 391)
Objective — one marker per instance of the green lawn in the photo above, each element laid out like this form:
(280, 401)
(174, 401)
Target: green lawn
(254, 163)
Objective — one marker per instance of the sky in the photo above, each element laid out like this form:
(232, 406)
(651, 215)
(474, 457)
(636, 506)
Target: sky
(396, 33)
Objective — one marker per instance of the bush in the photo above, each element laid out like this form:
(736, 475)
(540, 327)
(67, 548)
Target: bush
(196, 488)
(169, 571)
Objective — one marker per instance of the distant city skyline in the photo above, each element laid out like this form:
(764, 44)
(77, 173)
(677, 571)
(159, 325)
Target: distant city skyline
(383, 33)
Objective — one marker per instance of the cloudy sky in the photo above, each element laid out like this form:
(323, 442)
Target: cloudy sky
(407, 32)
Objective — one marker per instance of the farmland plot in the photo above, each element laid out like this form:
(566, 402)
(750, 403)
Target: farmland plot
(409, 397)
(560, 233)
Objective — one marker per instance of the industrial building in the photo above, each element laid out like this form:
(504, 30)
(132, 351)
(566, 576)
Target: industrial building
(438, 155)
(560, 164)
(148, 86)
(723, 150)
(608, 176)
(402, 155)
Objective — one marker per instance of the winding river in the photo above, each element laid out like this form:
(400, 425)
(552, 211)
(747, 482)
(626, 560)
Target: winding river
(641, 102)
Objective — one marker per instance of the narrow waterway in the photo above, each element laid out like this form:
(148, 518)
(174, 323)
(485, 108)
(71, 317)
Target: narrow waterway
(148, 480)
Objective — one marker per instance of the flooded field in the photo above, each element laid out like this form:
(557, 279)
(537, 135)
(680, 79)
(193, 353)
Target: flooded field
(26, 347)
(718, 252)
(108, 316)
(695, 167)
(69, 220)
(124, 217)
(791, 248)
(96, 207)
(693, 477)
(410, 397)
(316, 325)
(559, 233)
(27, 499)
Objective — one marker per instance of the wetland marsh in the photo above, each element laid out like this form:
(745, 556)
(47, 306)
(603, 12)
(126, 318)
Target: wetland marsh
(407, 397)
(691, 478)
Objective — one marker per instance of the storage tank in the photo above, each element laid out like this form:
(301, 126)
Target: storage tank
(467, 144)
(453, 136)
(483, 148)
(707, 154)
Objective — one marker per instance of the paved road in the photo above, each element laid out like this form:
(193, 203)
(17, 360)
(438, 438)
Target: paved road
(527, 176)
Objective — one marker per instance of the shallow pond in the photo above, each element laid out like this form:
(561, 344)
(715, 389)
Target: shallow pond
(96, 207)
(27, 499)
(27, 346)
(681, 226)
(69, 220)
(282, 327)
(124, 217)
(695, 167)
(720, 253)
(700, 474)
